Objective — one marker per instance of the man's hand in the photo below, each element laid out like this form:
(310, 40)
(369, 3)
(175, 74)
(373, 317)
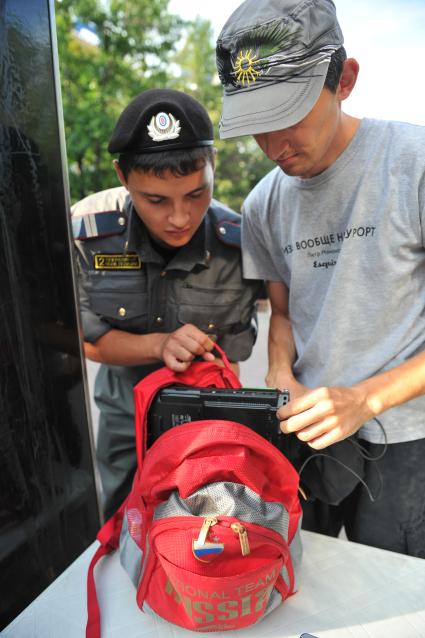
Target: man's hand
(325, 415)
(179, 348)
(285, 381)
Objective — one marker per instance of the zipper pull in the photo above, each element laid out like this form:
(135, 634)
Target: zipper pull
(208, 522)
(243, 537)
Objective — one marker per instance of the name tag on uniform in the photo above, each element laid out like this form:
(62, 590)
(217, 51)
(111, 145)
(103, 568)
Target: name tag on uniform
(117, 262)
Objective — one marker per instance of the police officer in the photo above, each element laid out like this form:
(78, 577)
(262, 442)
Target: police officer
(159, 266)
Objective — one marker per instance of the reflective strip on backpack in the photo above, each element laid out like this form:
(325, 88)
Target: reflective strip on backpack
(131, 555)
(296, 552)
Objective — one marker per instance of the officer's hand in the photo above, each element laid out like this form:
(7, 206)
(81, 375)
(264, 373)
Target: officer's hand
(181, 346)
(325, 415)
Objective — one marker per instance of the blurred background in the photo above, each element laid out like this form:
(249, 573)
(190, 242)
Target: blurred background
(111, 50)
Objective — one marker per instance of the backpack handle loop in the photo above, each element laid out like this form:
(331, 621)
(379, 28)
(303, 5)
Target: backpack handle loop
(223, 357)
(203, 374)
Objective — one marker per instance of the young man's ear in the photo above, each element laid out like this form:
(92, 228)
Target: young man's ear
(119, 173)
(348, 78)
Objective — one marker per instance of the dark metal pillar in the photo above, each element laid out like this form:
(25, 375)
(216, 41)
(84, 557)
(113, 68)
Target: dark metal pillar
(48, 505)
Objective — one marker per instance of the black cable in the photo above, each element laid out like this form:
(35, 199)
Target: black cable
(364, 454)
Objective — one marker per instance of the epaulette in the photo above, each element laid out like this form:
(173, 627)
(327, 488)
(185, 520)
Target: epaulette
(227, 225)
(97, 225)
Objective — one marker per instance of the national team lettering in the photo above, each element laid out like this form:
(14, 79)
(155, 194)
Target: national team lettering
(206, 607)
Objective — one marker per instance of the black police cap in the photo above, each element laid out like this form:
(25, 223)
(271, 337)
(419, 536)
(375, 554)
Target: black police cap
(161, 120)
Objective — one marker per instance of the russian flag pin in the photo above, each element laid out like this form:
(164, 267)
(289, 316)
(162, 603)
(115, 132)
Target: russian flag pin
(206, 552)
(201, 548)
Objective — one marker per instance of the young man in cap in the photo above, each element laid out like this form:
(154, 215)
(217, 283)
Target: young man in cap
(160, 270)
(337, 231)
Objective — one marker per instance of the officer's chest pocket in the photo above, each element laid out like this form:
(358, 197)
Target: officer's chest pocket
(122, 301)
(212, 310)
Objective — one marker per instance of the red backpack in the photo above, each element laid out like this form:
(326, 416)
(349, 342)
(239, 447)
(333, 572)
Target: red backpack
(209, 533)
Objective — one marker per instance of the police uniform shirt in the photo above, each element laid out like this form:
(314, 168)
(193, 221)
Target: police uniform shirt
(125, 284)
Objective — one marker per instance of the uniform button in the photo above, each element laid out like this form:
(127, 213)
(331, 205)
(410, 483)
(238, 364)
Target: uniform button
(211, 326)
(121, 221)
(222, 230)
(164, 272)
(122, 312)
(159, 320)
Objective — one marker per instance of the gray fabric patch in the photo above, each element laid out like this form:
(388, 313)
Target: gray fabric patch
(274, 601)
(227, 499)
(296, 551)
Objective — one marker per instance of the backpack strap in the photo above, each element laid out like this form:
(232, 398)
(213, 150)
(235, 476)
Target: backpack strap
(93, 612)
(202, 374)
(281, 586)
(224, 358)
(108, 536)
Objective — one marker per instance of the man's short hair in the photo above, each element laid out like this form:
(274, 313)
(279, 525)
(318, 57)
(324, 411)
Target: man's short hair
(335, 69)
(179, 162)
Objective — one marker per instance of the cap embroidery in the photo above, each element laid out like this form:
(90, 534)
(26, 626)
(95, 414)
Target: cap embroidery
(163, 127)
(244, 68)
(260, 45)
(267, 54)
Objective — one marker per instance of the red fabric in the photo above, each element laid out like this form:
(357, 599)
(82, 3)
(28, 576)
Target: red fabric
(230, 593)
(201, 373)
(109, 537)
(233, 591)
(93, 612)
(187, 458)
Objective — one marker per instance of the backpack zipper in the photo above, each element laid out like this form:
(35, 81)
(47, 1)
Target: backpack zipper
(207, 523)
(236, 527)
(243, 537)
(184, 522)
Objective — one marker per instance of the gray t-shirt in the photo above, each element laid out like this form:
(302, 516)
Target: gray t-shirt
(349, 245)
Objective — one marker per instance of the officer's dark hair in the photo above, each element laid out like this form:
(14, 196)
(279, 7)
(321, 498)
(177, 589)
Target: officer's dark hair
(335, 69)
(179, 162)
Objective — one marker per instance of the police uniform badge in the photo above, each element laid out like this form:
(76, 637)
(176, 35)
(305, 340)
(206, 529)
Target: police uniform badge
(112, 261)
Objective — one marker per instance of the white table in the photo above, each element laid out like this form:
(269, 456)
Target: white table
(346, 591)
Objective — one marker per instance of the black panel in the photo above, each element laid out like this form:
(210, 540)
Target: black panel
(48, 506)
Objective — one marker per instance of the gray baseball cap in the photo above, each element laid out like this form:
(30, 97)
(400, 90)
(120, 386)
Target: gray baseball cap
(272, 59)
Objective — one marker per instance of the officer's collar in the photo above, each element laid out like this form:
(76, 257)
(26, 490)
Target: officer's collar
(196, 252)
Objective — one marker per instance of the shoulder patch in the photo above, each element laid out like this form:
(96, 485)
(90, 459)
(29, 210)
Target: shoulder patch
(227, 224)
(96, 225)
(229, 232)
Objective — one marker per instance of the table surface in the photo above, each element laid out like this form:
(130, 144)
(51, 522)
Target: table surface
(346, 590)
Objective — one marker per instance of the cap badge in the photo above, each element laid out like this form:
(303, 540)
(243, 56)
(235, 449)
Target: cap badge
(256, 55)
(244, 68)
(163, 127)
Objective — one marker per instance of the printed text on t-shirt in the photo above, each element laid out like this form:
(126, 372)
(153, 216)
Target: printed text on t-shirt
(331, 238)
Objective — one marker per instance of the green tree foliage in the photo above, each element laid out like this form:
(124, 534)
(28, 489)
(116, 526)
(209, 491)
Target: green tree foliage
(135, 39)
(137, 50)
(196, 72)
(240, 163)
